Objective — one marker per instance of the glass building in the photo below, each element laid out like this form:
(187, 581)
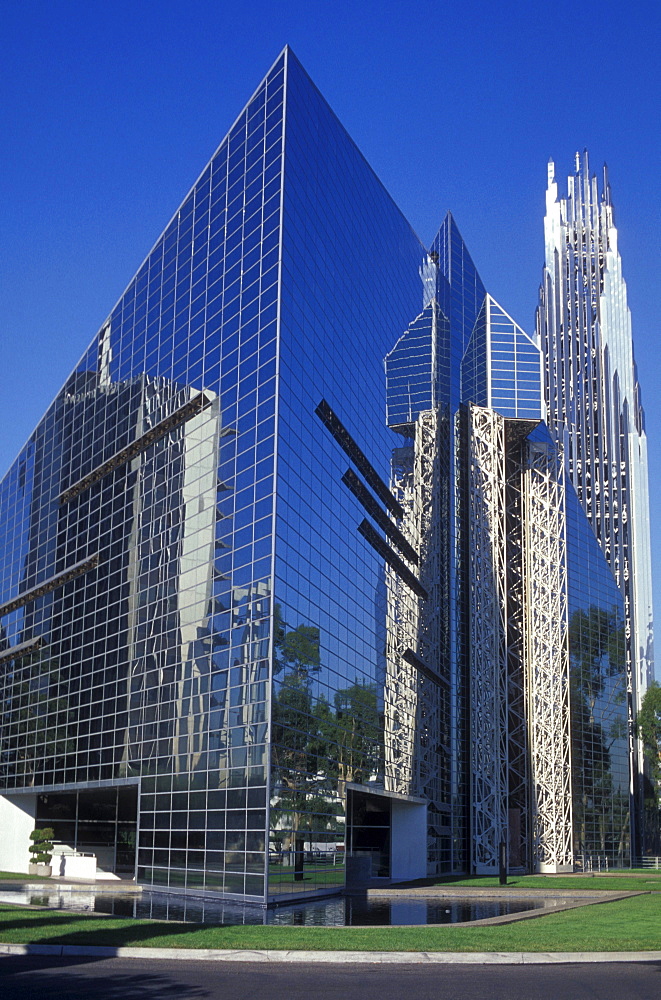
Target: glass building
(593, 400)
(274, 618)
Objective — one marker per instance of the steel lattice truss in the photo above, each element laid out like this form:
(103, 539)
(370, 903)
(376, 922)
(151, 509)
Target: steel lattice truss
(414, 696)
(432, 737)
(547, 657)
(519, 663)
(518, 814)
(488, 630)
(400, 689)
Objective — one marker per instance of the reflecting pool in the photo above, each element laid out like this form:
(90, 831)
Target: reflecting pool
(335, 911)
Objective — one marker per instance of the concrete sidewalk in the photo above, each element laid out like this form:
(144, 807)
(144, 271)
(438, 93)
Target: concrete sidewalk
(340, 957)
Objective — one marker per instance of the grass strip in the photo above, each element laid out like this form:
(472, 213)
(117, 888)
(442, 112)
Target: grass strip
(17, 877)
(642, 880)
(645, 881)
(632, 924)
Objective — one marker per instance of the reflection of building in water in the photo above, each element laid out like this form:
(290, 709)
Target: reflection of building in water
(238, 602)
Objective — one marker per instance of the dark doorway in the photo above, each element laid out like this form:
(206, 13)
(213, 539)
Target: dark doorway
(100, 821)
(368, 835)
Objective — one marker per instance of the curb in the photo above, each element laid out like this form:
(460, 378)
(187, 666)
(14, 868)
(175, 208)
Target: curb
(335, 957)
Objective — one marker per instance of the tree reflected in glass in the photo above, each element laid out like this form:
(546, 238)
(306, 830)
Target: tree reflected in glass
(43, 718)
(318, 747)
(598, 706)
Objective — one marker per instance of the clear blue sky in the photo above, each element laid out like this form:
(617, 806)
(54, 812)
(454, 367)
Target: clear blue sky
(110, 110)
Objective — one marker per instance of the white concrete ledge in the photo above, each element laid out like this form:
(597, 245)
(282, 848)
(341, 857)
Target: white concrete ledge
(330, 957)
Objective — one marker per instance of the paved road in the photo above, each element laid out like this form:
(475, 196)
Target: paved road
(38, 978)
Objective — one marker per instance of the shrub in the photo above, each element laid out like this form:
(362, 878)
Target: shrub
(41, 847)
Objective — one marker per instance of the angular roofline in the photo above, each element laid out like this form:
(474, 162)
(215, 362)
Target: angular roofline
(283, 53)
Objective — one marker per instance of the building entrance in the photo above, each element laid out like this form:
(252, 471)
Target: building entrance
(386, 835)
(368, 836)
(99, 821)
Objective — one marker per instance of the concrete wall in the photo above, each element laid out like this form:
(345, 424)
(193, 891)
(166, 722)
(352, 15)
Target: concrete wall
(409, 839)
(17, 818)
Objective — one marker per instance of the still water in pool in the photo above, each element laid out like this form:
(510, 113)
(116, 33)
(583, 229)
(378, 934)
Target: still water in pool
(336, 911)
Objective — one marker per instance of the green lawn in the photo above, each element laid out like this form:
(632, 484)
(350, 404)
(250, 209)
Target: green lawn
(625, 925)
(637, 880)
(640, 880)
(15, 876)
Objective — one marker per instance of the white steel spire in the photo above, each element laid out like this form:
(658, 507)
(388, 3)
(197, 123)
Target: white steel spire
(592, 392)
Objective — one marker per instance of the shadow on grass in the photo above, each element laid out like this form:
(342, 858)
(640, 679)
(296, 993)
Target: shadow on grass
(130, 933)
(71, 978)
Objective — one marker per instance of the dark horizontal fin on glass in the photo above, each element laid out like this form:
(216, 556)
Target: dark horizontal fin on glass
(163, 427)
(22, 649)
(363, 464)
(415, 661)
(52, 583)
(351, 480)
(391, 557)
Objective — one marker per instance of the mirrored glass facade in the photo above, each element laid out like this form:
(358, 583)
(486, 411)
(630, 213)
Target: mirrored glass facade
(502, 366)
(598, 679)
(593, 400)
(350, 284)
(290, 569)
(146, 497)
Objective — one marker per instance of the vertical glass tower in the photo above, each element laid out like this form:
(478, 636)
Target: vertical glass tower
(190, 612)
(593, 397)
(273, 618)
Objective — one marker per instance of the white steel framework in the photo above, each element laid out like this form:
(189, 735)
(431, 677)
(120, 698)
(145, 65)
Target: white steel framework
(547, 657)
(519, 792)
(520, 748)
(415, 693)
(401, 688)
(488, 635)
(432, 752)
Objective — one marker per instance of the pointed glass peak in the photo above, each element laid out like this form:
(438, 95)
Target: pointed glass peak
(452, 254)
